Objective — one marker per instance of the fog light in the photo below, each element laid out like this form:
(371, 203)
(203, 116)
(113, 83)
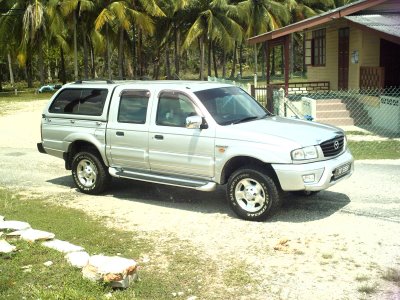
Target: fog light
(309, 178)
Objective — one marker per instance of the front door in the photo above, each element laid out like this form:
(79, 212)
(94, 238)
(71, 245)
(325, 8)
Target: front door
(175, 149)
(343, 59)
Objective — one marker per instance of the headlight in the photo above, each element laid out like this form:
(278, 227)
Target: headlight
(305, 153)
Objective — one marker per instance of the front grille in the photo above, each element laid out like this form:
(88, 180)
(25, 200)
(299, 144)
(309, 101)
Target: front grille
(333, 147)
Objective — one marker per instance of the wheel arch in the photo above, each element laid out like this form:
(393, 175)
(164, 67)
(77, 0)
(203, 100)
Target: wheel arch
(238, 162)
(79, 146)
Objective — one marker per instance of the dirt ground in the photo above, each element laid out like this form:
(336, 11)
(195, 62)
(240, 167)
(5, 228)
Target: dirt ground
(313, 248)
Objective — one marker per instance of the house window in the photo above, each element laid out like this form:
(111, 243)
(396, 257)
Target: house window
(319, 46)
(315, 49)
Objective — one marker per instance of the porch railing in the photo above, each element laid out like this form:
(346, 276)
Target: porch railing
(264, 94)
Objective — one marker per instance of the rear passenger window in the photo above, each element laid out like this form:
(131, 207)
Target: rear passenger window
(133, 106)
(80, 101)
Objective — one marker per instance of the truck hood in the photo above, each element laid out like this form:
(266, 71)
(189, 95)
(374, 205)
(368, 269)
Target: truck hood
(292, 131)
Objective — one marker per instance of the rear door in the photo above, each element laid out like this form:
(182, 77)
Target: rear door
(127, 130)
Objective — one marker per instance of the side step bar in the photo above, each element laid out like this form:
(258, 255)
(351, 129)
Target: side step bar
(191, 183)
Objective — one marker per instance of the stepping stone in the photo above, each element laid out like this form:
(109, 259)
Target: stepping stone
(78, 259)
(62, 246)
(119, 272)
(32, 235)
(14, 225)
(6, 247)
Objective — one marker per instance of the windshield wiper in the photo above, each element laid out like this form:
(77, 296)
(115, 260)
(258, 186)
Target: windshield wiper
(246, 119)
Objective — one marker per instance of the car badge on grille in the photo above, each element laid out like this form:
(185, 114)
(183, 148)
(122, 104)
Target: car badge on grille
(336, 145)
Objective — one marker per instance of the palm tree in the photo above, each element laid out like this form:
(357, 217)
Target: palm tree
(213, 25)
(261, 16)
(120, 17)
(75, 9)
(58, 33)
(170, 27)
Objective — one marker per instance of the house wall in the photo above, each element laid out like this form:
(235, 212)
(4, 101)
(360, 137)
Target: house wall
(367, 45)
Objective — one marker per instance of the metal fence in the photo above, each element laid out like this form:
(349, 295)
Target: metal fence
(369, 111)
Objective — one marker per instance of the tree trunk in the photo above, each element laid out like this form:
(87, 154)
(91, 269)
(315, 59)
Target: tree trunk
(273, 61)
(241, 60)
(62, 67)
(139, 52)
(1, 78)
(29, 68)
(92, 59)
(75, 47)
(121, 54)
(134, 61)
(167, 62)
(10, 69)
(255, 59)
(214, 60)
(85, 56)
(263, 60)
(108, 54)
(233, 71)
(177, 56)
(209, 57)
(40, 59)
(223, 63)
(202, 57)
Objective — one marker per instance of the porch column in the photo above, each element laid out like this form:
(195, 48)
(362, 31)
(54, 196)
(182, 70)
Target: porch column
(286, 46)
(269, 101)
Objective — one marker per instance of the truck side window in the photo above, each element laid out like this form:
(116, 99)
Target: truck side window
(133, 107)
(173, 109)
(80, 101)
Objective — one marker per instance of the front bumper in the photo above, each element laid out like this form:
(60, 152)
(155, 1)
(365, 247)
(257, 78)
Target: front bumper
(291, 176)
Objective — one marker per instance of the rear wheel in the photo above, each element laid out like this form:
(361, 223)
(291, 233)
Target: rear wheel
(252, 194)
(89, 173)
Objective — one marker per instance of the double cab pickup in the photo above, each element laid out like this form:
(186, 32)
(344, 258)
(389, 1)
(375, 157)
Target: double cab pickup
(189, 134)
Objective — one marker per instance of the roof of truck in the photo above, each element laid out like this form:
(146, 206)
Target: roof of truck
(171, 84)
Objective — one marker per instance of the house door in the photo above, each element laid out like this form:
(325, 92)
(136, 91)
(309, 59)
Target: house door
(343, 59)
(390, 60)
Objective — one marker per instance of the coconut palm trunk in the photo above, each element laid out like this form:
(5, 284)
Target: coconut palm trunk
(75, 46)
(202, 54)
(85, 56)
(10, 69)
(63, 77)
(121, 54)
(40, 60)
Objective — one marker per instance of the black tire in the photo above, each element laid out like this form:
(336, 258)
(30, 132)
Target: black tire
(89, 173)
(260, 199)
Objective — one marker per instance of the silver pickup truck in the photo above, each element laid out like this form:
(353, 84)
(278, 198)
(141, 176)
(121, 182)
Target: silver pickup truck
(195, 135)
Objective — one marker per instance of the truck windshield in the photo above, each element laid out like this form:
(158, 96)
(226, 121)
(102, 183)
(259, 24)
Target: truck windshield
(231, 105)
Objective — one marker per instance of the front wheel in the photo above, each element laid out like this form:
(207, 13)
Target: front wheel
(89, 173)
(252, 194)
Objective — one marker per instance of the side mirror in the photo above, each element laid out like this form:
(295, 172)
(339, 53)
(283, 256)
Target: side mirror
(194, 122)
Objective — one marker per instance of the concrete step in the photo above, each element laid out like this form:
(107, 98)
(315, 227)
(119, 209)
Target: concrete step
(336, 121)
(333, 114)
(324, 106)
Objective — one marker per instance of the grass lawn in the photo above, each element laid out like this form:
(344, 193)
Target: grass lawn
(174, 265)
(23, 97)
(389, 149)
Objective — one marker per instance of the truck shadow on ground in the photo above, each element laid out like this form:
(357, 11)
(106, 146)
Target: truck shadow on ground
(294, 208)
